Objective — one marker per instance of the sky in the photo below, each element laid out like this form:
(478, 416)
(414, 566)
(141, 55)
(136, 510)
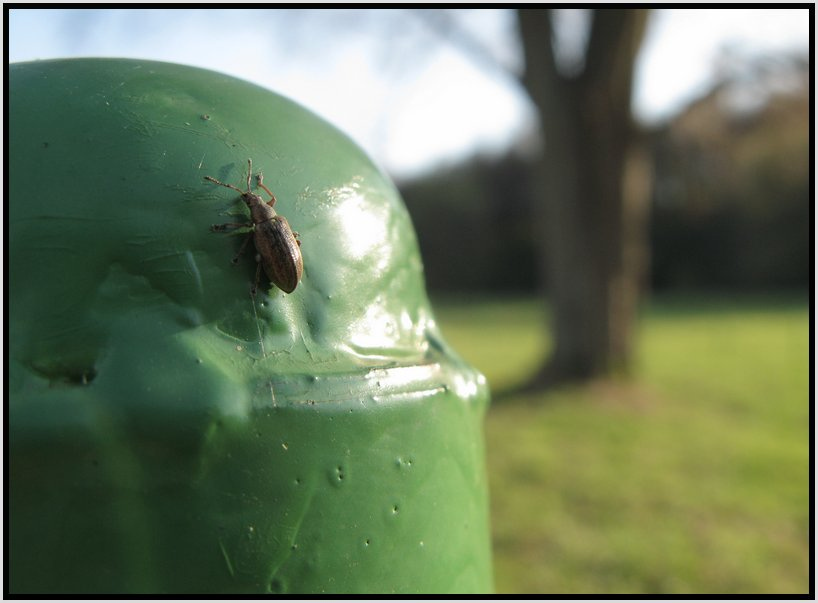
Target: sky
(415, 88)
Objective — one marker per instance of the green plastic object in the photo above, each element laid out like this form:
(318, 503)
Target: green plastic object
(170, 433)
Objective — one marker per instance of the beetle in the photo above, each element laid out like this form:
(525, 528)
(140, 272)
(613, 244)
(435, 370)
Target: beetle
(278, 249)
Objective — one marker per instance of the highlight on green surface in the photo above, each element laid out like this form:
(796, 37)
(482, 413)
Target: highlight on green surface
(169, 432)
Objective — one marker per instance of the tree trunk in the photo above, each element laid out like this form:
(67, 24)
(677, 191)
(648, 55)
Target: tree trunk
(592, 176)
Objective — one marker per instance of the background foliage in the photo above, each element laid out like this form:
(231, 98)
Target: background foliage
(731, 197)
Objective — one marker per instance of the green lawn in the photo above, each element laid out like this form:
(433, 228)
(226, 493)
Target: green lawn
(691, 478)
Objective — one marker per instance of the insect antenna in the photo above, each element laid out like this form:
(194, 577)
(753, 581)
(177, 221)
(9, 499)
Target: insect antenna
(214, 181)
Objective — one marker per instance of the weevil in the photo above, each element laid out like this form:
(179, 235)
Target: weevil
(278, 249)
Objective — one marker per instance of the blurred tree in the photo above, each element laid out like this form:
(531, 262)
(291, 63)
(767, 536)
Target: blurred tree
(593, 177)
(731, 185)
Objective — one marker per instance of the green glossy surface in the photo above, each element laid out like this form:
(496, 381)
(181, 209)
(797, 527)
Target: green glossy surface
(168, 432)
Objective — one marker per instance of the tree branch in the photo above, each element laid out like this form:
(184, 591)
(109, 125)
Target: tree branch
(442, 23)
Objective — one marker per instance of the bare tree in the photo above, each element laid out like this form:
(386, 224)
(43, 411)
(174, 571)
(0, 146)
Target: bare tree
(593, 189)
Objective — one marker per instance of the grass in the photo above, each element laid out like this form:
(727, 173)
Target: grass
(691, 478)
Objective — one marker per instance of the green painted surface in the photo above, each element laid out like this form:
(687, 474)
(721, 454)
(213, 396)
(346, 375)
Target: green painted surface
(168, 432)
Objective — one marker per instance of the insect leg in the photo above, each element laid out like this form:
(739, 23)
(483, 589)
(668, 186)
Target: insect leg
(236, 257)
(259, 181)
(258, 279)
(231, 225)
